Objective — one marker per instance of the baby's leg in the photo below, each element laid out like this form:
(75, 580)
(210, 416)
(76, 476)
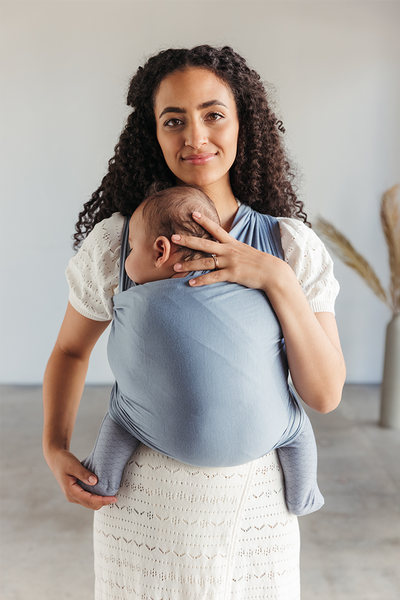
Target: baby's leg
(112, 450)
(299, 464)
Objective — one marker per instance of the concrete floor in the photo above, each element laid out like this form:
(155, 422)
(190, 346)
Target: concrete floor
(350, 549)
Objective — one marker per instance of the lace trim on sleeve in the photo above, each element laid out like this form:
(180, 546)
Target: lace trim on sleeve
(92, 274)
(312, 264)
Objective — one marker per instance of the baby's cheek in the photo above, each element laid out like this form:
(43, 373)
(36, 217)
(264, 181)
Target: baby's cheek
(128, 267)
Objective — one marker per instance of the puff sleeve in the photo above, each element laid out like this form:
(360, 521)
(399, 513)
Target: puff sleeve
(93, 273)
(311, 263)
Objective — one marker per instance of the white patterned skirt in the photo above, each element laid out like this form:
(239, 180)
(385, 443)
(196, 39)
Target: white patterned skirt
(181, 532)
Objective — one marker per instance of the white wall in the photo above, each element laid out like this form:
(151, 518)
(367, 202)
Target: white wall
(66, 66)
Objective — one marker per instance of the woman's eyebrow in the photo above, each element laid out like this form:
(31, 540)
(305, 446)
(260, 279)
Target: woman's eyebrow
(173, 109)
(176, 109)
(211, 103)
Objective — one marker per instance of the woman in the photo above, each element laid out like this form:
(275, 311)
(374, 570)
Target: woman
(200, 117)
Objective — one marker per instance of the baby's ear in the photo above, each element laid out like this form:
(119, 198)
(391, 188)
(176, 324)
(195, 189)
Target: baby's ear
(162, 248)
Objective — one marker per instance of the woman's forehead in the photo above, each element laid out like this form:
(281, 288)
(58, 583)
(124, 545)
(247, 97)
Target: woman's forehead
(194, 85)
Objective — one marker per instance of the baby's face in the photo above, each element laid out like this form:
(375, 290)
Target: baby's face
(139, 265)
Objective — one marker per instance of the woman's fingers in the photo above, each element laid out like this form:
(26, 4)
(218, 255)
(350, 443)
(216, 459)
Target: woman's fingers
(199, 264)
(68, 470)
(208, 278)
(196, 243)
(236, 262)
(80, 472)
(77, 495)
(202, 244)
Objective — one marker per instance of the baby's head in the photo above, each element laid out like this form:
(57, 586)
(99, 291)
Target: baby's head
(162, 214)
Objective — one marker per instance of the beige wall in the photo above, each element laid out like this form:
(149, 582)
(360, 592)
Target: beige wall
(65, 70)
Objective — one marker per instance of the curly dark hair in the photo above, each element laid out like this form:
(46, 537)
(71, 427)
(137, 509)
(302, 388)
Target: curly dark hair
(261, 175)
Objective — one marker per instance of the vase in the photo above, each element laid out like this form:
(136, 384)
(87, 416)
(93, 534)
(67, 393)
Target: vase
(390, 390)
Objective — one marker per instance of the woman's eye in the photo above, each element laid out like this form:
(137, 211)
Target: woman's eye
(173, 123)
(215, 116)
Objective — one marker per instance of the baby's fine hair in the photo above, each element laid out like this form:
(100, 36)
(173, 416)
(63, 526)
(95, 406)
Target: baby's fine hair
(170, 211)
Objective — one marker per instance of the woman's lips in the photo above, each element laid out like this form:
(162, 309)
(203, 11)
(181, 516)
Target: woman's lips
(199, 159)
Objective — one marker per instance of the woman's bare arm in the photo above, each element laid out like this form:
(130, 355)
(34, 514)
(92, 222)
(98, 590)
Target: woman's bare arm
(312, 344)
(62, 390)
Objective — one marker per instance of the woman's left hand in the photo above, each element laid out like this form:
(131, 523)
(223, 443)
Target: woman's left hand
(234, 261)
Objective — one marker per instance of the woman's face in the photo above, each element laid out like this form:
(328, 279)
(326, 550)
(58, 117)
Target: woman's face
(197, 127)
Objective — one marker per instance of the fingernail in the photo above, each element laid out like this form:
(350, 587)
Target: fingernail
(192, 282)
(92, 479)
(176, 237)
(177, 266)
(197, 215)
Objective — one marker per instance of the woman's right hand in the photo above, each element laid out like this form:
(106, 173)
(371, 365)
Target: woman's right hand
(67, 470)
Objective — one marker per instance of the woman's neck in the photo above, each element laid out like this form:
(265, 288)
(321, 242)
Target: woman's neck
(226, 206)
(227, 216)
(224, 200)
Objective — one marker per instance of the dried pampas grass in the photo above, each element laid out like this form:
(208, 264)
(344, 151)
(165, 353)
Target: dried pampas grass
(390, 219)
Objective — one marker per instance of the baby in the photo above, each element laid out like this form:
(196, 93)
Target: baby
(197, 438)
(152, 255)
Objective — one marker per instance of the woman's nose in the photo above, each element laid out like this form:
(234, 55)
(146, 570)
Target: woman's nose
(196, 135)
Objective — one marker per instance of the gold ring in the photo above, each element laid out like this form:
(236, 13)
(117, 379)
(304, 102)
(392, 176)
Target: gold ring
(215, 262)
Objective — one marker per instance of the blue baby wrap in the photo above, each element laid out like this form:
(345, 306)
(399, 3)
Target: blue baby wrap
(201, 373)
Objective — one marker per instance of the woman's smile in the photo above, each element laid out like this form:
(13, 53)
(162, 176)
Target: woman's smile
(199, 159)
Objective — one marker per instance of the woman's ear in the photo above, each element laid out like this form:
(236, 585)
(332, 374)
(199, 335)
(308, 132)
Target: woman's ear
(162, 247)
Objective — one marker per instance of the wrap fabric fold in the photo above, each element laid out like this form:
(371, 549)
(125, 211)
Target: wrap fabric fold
(201, 373)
